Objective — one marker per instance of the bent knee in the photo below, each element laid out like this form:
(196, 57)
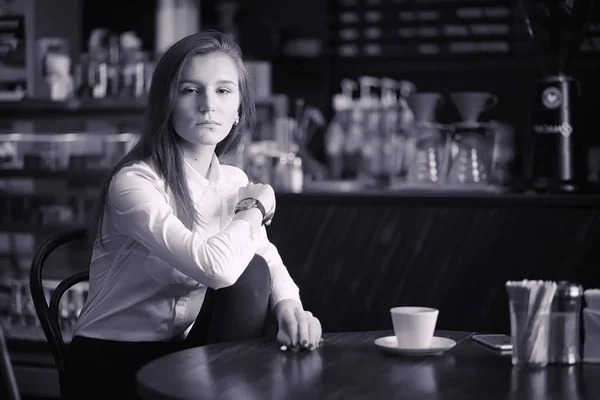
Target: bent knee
(258, 267)
(257, 272)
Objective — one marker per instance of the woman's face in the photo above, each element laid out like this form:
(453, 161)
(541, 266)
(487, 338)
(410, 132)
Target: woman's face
(208, 99)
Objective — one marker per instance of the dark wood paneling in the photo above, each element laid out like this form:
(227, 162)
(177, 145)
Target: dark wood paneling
(355, 258)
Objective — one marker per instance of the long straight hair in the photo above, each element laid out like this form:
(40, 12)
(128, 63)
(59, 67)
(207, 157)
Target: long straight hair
(158, 140)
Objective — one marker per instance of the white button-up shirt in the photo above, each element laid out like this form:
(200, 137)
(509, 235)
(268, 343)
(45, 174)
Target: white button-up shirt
(149, 280)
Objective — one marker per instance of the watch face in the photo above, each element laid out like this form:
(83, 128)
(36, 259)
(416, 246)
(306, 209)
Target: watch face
(246, 203)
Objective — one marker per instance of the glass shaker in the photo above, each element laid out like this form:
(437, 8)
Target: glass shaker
(564, 345)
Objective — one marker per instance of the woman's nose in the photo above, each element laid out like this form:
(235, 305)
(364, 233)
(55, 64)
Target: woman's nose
(206, 102)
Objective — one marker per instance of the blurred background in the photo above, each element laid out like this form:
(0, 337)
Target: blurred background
(384, 96)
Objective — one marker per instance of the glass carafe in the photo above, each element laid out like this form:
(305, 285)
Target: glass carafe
(426, 164)
(470, 155)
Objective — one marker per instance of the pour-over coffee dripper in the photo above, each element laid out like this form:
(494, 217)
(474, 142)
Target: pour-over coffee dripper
(471, 105)
(424, 106)
(425, 149)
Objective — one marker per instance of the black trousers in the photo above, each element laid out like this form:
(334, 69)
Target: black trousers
(106, 369)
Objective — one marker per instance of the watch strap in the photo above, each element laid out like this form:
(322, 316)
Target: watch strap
(248, 203)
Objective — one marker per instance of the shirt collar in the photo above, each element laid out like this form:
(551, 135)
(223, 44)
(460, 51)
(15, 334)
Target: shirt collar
(214, 171)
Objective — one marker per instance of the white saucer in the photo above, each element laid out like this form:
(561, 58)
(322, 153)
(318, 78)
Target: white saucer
(438, 346)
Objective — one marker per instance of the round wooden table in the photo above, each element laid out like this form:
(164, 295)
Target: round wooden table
(350, 366)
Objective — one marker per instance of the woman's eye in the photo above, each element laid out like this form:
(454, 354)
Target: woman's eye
(189, 90)
(224, 91)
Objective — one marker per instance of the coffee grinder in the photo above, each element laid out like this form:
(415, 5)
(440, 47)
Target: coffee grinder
(557, 151)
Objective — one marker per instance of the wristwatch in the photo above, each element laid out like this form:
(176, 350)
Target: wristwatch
(248, 203)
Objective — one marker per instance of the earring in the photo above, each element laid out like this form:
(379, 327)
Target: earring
(236, 120)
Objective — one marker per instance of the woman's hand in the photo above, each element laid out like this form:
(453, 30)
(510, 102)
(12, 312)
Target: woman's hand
(261, 192)
(297, 328)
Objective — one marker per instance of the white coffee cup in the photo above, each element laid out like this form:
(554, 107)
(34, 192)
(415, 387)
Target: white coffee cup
(414, 326)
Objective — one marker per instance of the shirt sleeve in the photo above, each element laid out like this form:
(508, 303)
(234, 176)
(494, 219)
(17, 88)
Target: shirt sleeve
(282, 285)
(138, 207)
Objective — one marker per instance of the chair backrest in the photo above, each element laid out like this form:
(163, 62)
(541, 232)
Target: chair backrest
(8, 383)
(48, 314)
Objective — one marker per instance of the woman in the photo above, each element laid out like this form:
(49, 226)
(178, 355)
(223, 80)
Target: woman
(181, 257)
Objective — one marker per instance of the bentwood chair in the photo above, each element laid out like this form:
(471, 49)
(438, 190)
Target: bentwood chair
(48, 314)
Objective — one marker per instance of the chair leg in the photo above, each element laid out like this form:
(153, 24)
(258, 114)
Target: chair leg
(7, 373)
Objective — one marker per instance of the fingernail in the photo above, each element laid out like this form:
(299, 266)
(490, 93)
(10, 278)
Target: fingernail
(311, 346)
(283, 348)
(304, 343)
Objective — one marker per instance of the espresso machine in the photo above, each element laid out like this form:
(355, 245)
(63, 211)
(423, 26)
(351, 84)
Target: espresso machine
(556, 154)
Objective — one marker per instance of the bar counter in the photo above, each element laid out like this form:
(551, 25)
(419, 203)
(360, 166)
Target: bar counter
(356, 254)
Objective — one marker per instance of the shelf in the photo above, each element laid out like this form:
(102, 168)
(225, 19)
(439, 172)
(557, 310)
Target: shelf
(30, 227)
(30, 333)
(439, 198)
(75, 177)
(29, 107)
(49, 108)
(458, 62)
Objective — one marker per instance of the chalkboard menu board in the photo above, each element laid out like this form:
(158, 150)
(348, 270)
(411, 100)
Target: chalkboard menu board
(405, 28)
